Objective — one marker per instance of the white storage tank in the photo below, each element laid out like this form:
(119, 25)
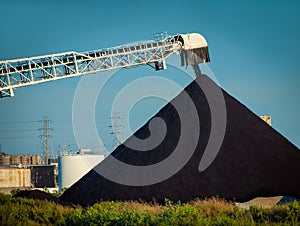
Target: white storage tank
(73, 167)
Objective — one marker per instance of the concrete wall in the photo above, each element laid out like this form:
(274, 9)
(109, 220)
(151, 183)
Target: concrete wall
(14, 177)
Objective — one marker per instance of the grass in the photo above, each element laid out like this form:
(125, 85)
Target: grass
(21, 211)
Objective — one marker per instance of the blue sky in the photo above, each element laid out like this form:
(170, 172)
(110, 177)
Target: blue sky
(254, 48)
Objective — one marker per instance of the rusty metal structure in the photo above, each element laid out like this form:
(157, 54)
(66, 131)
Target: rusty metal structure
(15, 178)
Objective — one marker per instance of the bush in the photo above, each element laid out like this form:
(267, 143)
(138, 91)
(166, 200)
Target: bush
(20, 211)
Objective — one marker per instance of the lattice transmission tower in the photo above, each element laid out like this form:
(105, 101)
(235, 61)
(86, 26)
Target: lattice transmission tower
(117, 129)
(45, 137)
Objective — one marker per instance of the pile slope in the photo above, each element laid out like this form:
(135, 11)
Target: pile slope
(254, 159)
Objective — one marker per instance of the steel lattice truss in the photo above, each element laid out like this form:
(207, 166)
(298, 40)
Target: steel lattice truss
(34, 70)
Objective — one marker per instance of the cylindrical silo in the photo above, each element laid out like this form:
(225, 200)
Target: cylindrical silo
(72, 167)
(25, 159)
(15, 159)
(35, 159)
(5, 159)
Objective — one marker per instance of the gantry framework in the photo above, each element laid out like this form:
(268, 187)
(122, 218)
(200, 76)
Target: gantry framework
(30, 71)
(34, 70)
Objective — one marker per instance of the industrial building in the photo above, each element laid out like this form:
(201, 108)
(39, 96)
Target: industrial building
(43, 176)
(24, 177)
(14, 178)
(25, 171)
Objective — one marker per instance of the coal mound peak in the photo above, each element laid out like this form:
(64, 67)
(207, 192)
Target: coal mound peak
(254, 160)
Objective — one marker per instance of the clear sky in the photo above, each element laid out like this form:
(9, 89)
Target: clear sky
(254, 48)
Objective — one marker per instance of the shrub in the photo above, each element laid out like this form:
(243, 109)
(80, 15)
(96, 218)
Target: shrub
(21, 211)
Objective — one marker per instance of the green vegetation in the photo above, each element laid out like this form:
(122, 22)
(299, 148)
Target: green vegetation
(20, 211)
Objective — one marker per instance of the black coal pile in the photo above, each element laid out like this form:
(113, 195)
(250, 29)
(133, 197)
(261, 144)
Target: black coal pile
(41, 195)
(254, 160)
(37, 194)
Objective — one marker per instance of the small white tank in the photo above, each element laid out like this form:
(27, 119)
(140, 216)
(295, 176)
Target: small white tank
(71, 168)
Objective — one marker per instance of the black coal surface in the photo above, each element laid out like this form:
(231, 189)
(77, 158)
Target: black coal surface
(41, 195)
(254, 160)
(37, 194)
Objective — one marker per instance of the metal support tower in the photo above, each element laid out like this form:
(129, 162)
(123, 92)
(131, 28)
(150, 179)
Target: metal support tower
(64, 147)
(46, 138)
(117, 129)
(100, 147)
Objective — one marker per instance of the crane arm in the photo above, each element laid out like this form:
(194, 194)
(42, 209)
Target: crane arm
(29, 71)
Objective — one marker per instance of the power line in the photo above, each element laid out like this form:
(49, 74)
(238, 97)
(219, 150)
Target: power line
(21, 137)
(7, 121)
(18, 130)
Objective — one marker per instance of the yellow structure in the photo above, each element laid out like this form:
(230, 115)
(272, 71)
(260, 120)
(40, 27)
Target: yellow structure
(15, 159)
(15, 178)
(5, 160)
(266, 118)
